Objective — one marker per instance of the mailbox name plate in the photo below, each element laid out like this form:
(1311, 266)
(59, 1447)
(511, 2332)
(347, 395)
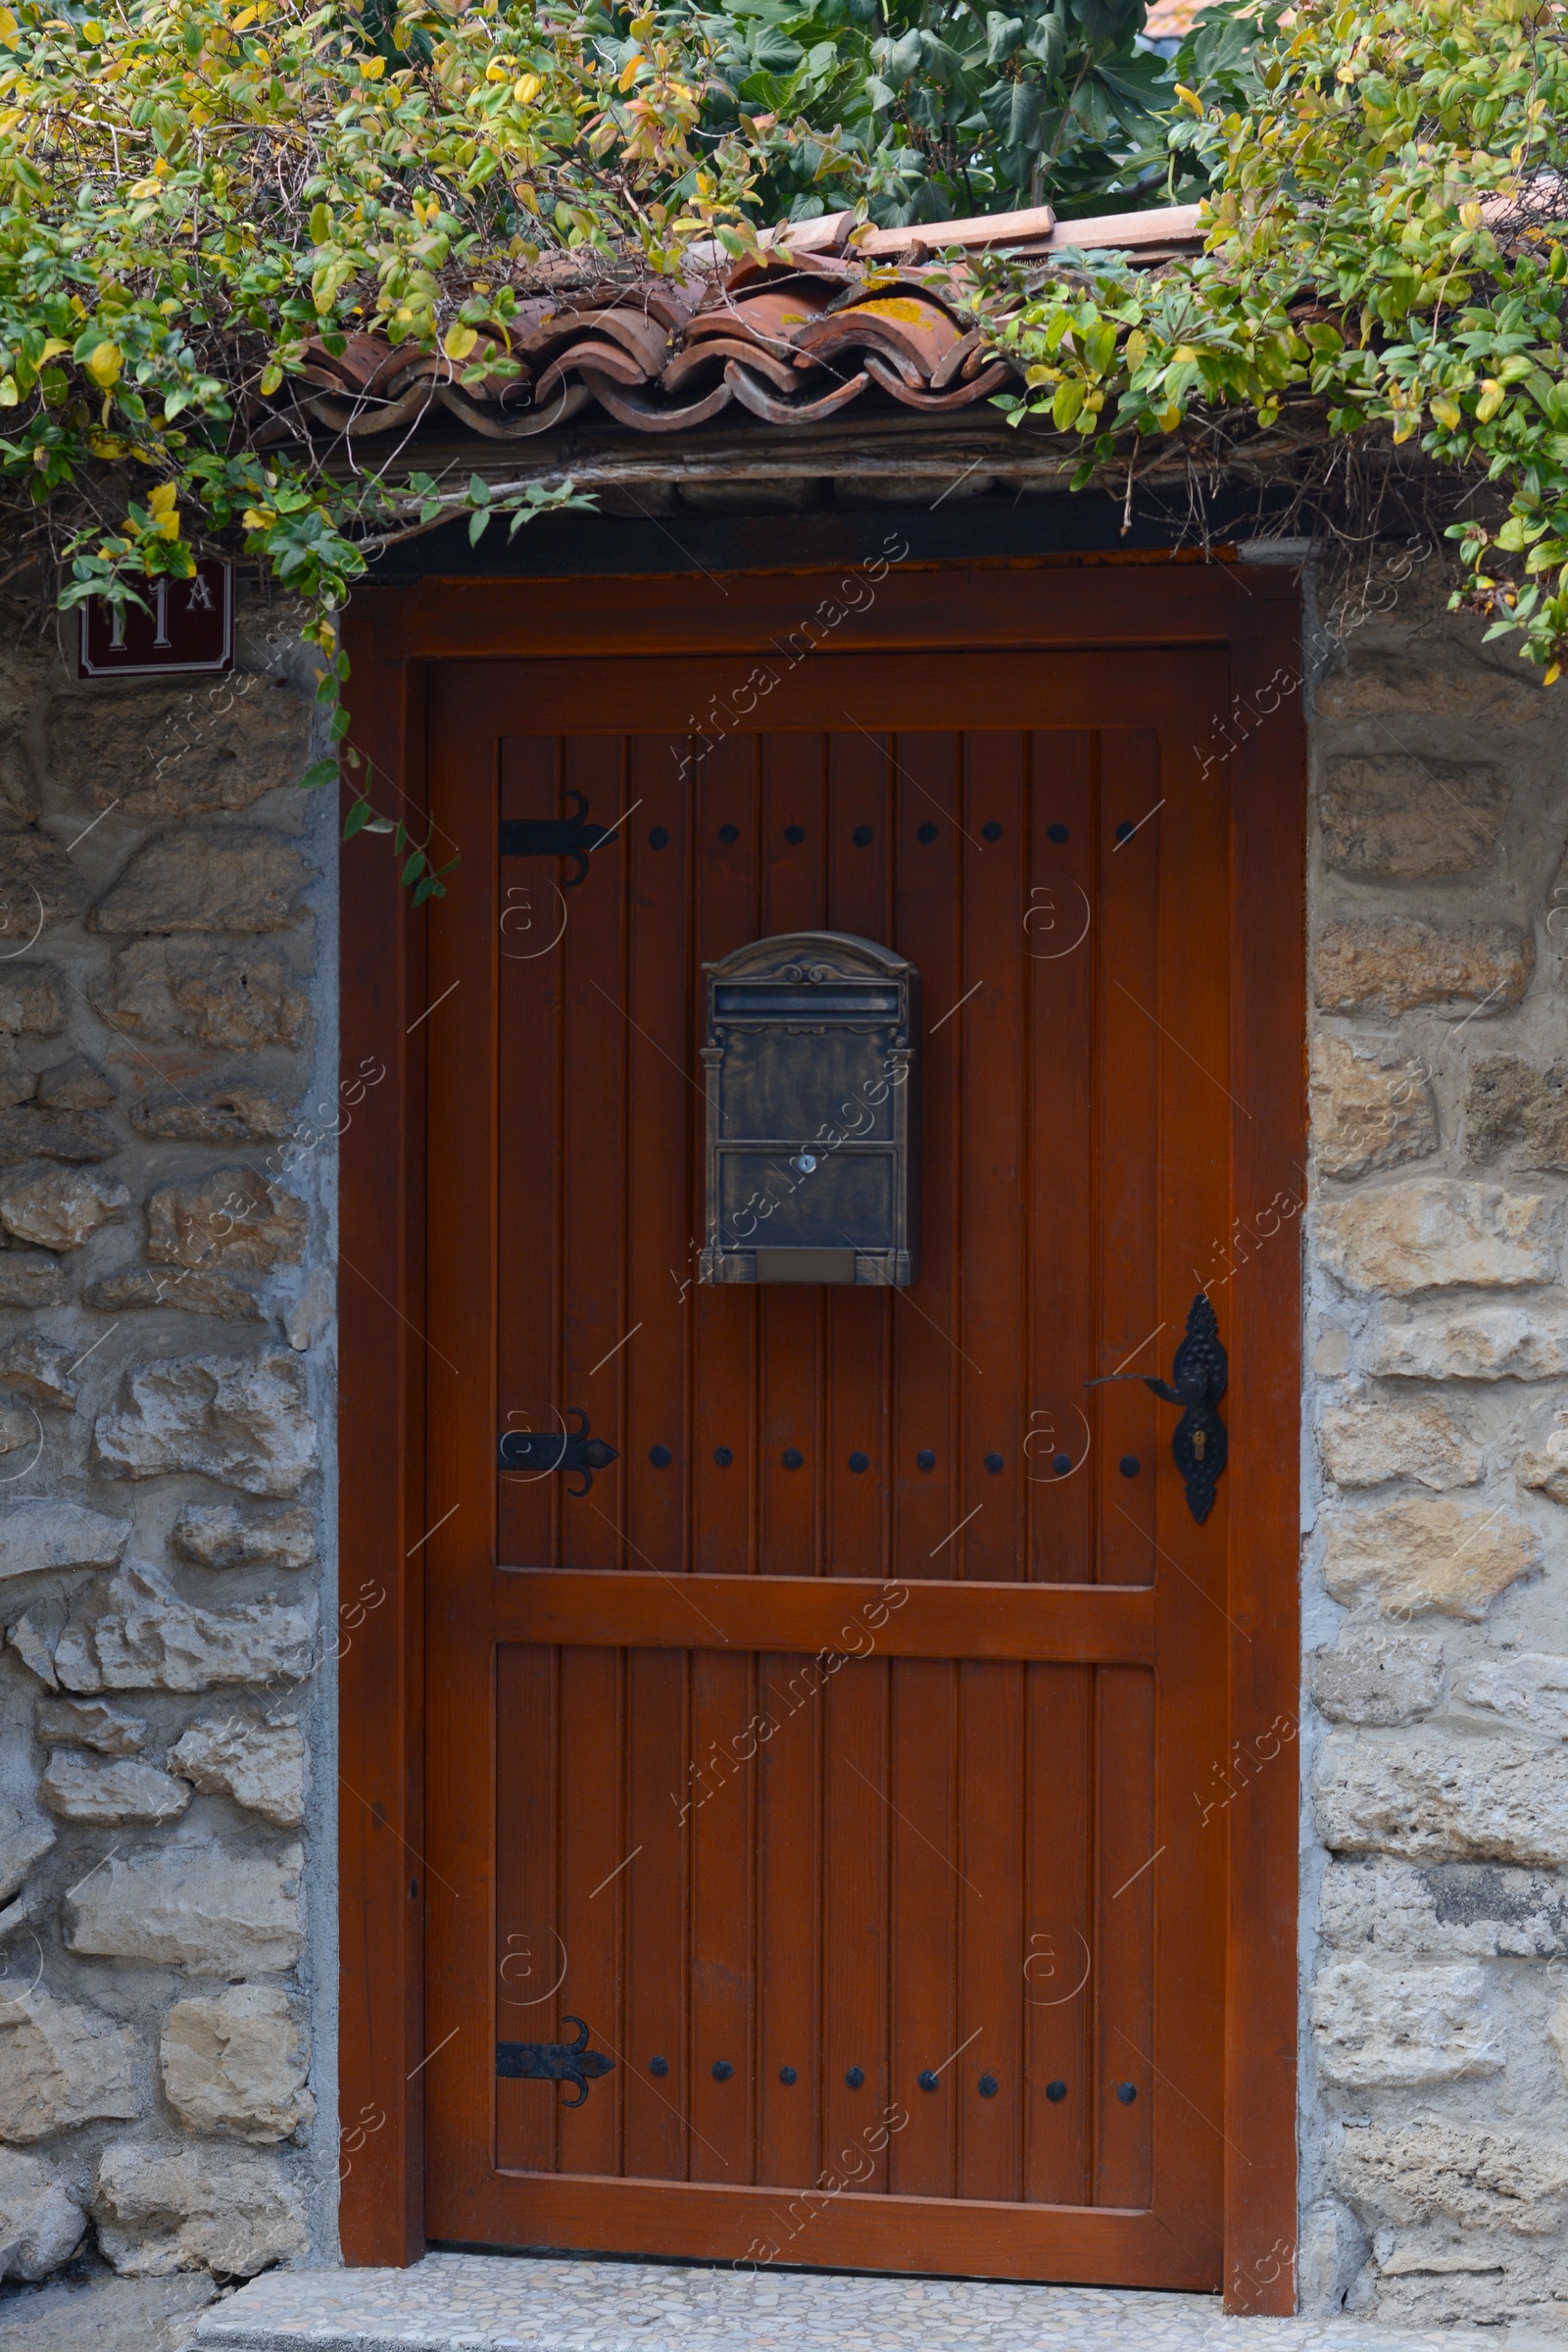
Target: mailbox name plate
(812, 1111)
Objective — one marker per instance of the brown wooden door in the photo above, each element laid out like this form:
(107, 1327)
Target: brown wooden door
(840, 1759)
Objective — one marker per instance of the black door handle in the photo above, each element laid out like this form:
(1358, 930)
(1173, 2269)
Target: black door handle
(1199, 1371)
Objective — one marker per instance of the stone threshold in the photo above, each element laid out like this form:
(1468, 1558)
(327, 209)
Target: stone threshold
(493, 2303)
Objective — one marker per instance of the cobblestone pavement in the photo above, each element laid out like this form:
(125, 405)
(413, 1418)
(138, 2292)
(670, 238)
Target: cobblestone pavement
(489, 2303)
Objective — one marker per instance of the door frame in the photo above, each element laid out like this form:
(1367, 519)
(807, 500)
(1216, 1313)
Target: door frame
(1126, 606)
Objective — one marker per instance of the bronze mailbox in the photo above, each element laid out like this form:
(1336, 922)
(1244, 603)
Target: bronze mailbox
(812, 1112)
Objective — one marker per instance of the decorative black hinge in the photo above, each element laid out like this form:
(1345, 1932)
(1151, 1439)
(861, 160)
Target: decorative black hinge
(554, 2061)
(1199, 1370)
(544, 1450)
(571, 837)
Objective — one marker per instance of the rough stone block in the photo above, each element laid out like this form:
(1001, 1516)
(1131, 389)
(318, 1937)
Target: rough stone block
(28, 1132)
(234, 1217)
(40, 2221)
(29, 1280)
(1329, 2257)
(1396, 820)
(1365, 1443)
(175, 751)
(19, 1426)
(1379, 2028)
(160, 2210)
(1395, 963)
(1546, 1471)
(237, 2064)
(214, 1910)
(1461, 2174)
(34, 1636)
(144, 1637)
(80, 1787)
(234, 999)
(1369, 1110)
(37, 1534)
(1426, 1554)
(193, 880)
(1376, 1678)
(220, 1535)
(260, 1765)
(193, 1293)
(59, 2065)
(88, 1723)
(238, 1418)
(1443, 1799)
(1459, 1910)
(236, 1111)
(40, 887)
(41, 1369)
(1511, 1099)
(1468, 1343)
(1427, 1233)
(33, 1000)
(57, 1209)
(75, 1085)
(25, 1838)
(1528, 1686)
(1432, 680)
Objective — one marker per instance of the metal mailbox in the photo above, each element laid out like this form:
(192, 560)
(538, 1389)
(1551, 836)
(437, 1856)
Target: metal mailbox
(812, 1114)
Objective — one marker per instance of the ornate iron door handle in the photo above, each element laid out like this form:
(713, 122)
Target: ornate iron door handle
(543, 1450)
(1199, 1371)
(554, 2061)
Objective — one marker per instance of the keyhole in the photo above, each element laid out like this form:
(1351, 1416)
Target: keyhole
(1199, 1443)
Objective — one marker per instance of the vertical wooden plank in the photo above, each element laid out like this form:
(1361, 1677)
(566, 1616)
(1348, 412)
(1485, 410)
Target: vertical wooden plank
(791, 1697)
(726, 882)
(591, 1858)
(924, 1318)
(658, 1840)
(1059, 1964)
(1060, 923)
(531, 1954)
(1124, 1938)
(928, 2020)
(857, 1851)
(984, 1018)
(722, 2104)
(989, 2089)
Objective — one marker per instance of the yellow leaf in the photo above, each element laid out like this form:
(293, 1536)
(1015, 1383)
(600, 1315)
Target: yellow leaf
(53, 345)
(526, 197)
(1491, 401)
(104, 365)
(526, 88)
(167, 527)
(272, 377)
(1471, 214)
(372, 67)
(1189, 98)
(1448, 410)
(629, 72)
(8, 25)
(458, 341)
(1552, 674)
(257, 519)
(8, 391)
(162, 500)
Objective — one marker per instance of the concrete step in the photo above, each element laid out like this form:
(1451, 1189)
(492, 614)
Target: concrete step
(500, 2303)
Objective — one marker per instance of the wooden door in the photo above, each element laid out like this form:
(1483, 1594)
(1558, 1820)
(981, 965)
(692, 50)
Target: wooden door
(840, 1758)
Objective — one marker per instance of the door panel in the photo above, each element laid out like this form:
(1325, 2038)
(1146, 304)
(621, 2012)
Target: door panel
(832, 1758)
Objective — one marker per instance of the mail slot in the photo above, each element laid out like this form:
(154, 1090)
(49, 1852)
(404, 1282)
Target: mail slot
(812, 1114)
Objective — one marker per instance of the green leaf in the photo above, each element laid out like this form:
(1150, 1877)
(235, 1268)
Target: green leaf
(319, 773)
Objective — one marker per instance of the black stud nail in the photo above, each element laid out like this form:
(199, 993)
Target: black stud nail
(992, 832)
(1057, 833)
(1061, 1464)
(862, 837)
(1125, 832)
(659, 2066)
(855, 2076)
(722, 2069)
(860, 1461)
(722, 1456)
(787, 2074)
(657, 837)
(928, 2080)
(1129, 1465)
(926, 833)
(661, 1457)
(729, 832)
(994, 1464)
(793, 1457)
(925, 1459)
(988, 2086)
(1126, 2092)
(795, 835)
(1055, 2092)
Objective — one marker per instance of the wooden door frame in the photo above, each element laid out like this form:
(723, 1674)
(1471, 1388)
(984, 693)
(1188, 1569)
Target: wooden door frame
(1047, 604)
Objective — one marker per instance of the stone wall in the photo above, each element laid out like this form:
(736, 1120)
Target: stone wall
(1436, 1865)
(168, 1101)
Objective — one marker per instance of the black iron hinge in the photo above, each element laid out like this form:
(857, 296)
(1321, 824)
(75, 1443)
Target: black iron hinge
(571, 837)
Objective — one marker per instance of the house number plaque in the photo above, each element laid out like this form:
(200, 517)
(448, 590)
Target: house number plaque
(813, 1117)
